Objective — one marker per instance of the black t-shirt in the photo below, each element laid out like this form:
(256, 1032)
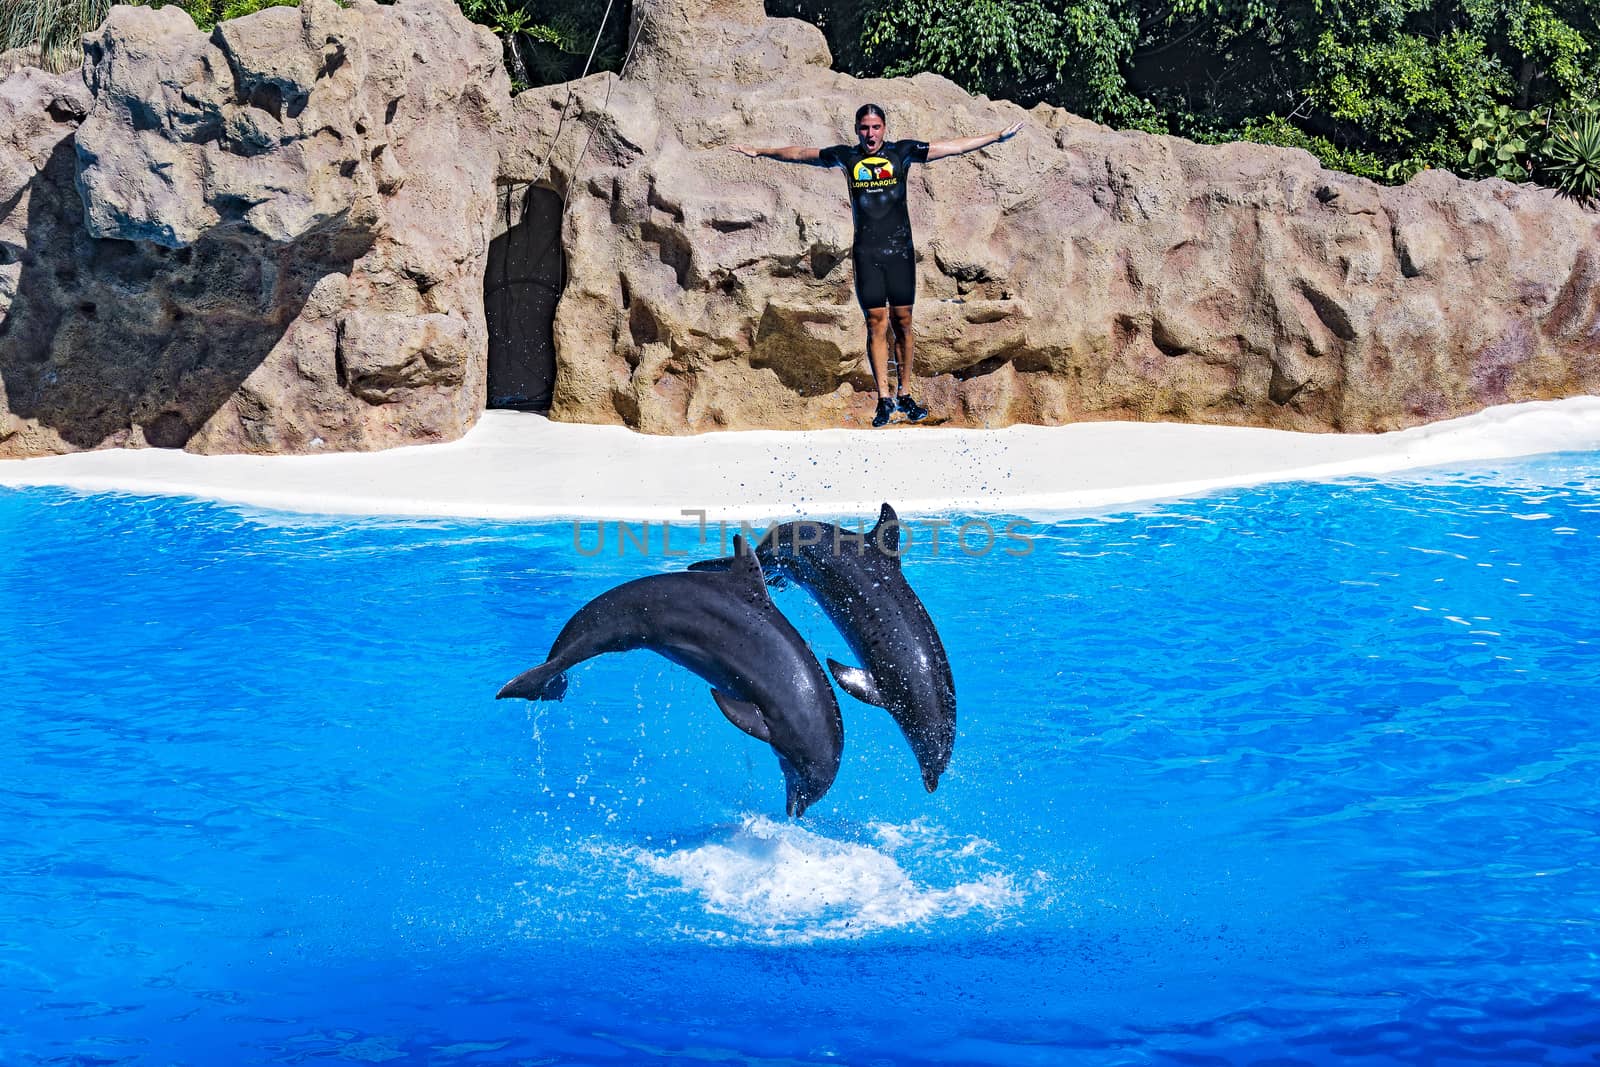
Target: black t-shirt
(877, 182)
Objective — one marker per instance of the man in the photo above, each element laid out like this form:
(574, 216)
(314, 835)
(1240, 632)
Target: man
(883, 254)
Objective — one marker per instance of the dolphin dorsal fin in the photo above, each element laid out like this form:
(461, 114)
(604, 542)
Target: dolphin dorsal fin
(746, 568)
(885, 536)
(857, 682)
(743, 714)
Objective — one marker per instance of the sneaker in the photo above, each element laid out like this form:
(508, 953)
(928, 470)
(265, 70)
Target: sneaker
(913, 411)
(885, 409)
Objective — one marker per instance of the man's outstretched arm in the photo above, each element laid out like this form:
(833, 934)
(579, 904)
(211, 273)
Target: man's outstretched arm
(941, 149)
(787, 154)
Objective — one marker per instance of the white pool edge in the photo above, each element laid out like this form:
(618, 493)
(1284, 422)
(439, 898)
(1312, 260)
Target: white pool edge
(519, 466)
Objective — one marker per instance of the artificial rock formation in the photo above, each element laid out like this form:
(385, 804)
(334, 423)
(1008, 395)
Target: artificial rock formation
(273, 238)
(1072, 273)
(267, 238)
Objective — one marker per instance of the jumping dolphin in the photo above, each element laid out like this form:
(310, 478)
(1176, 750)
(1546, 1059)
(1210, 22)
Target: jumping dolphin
(725, 628)
(857, 581)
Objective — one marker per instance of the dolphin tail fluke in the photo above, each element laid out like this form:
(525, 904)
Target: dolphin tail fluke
(857, 682)
(547, 681)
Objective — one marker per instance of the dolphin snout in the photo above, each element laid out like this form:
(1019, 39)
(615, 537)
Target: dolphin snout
(802, 791)
(930, 780)
(797, 802)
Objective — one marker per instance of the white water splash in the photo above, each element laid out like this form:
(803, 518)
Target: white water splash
(782, 882)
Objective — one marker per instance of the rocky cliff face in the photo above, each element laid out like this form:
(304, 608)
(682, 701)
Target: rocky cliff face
(270, 238)
(273, 238)
(1072, 273)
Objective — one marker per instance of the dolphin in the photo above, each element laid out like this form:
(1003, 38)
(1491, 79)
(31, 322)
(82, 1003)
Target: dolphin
(725, 628)
(856, 579)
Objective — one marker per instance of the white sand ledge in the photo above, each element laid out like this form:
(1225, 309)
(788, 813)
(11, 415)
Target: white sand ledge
(518, 466)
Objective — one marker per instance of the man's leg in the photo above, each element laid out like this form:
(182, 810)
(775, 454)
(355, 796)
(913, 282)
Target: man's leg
(901, 283)
(900, 318)
(871, 292)
(878, 349)
(900, 315)
(878, 355)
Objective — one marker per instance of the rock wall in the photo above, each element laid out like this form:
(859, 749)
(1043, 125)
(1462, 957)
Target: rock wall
(14, 59)
(269, 238)
(1072, 273)
(273, 238)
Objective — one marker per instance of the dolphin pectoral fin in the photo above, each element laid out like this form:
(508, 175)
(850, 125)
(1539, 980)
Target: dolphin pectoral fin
(547, 681)
(743, 714)
(857, 682)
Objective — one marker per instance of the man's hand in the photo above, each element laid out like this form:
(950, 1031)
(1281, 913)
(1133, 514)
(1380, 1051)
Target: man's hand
(787, 154)
(962, 145)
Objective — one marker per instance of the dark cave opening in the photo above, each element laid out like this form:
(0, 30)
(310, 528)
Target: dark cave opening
(521, 287)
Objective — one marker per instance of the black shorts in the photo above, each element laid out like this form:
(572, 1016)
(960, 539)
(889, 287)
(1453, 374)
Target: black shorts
(885, 277)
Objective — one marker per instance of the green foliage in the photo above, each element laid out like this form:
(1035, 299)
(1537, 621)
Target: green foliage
(1572, 156)
(55, 27)
(1503, 143)
(207, 13)
(234, 9)
(1551, 46)
(548, 41)
(1381, 88)
(545, 41)
(1409, 95)
(1019, 49)
(1285, 134)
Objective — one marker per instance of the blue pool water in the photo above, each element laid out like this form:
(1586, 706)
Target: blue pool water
(1296, 774)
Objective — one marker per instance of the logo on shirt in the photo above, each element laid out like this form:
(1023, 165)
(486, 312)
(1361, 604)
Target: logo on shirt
(874, 172)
